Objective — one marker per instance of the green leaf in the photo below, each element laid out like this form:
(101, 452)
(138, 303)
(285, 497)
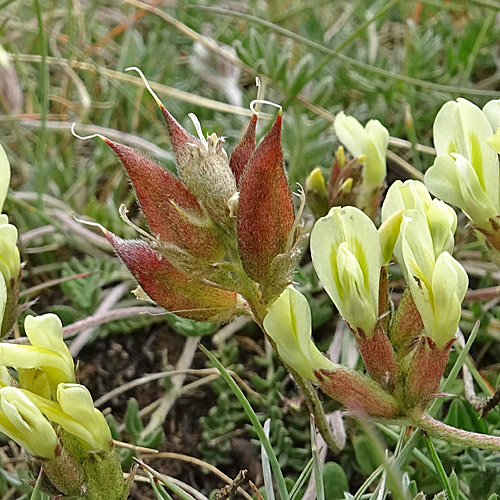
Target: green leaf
(132, 419)
(364, 455)
(335, 481)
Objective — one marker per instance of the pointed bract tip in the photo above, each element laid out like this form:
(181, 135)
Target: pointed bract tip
(147, 85)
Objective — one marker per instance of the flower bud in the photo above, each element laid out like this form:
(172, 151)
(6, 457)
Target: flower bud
(288, 324)
(316, 194)
(407, 324)
(345, 182)
(359, 393)
(180, 138)
(208, 176)
(243, 151)
(426, 367)
(170, 209)
(47, 353)
(265, 214)
(346, 253)
(172, 289)
(370, 141)
(23, 422)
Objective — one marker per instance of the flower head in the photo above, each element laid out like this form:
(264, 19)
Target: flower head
(288, 323)
(465, 172)
(413, 195)
(22, 421)
(223, 230)
(437, 282)
(347, 255)
(46, 362)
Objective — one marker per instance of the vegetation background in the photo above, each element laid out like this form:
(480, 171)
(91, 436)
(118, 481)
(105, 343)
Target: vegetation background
(63, 61)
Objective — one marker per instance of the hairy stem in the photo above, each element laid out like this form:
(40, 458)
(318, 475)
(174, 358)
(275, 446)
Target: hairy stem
(316, 408)
(459, 436)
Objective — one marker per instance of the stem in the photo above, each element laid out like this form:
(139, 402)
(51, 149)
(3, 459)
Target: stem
(316, 408)
(310, 395)
(454, 435)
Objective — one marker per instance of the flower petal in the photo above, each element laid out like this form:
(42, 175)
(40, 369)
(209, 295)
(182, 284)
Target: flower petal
(288, 323)
(25, 423)
(461, 127)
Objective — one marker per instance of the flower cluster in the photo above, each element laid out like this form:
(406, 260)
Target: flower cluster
(42, 407)
(405, 352)
(10, 261)
(466, 170)
(225, 240)
(53, 418)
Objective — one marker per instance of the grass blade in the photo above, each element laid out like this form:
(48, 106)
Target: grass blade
(273, 461)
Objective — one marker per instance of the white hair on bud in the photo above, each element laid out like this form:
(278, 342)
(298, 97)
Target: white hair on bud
(89, 223)
(86, 137)
(123, 210)
(263, 101)
(146, 83)
(259, 87)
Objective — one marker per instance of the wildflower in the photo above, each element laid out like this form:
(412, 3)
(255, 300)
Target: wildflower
(44, 364)
(10, 261)
(54, 419)
(369, 144)
(22, 421)
(346, 253)
(465, 172)
(225, 237)
(413, 195)
(437, 281)
(73, 409)
(288, 323)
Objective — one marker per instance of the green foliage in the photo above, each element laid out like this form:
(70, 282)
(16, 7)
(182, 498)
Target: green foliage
(288, 431)
(413, 57)
(224, 417)
(191, 328)
(335, 481)
(85, 294)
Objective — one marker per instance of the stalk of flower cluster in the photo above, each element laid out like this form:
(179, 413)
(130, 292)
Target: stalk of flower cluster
(440, 430)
